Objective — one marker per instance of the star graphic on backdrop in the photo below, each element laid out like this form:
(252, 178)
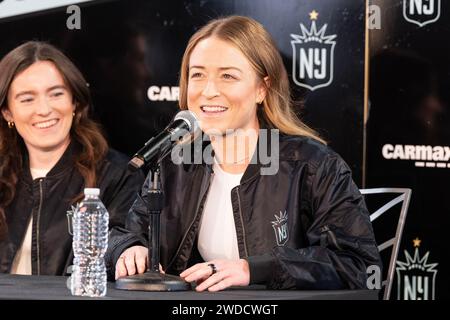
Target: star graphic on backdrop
(313, 15)
(416, 242)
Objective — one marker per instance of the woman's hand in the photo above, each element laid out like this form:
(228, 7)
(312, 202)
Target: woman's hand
(217, 275)
(132, 261)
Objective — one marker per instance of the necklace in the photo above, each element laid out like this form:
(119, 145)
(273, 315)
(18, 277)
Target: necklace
(232, 162)
(240, 161)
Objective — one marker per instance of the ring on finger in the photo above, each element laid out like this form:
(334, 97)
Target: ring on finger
(213, 268)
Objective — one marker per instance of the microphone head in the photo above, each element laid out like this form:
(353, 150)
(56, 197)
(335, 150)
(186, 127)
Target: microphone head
(191, 119)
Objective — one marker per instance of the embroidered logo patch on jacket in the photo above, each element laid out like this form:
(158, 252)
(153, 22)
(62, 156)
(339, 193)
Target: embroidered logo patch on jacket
(280, 228)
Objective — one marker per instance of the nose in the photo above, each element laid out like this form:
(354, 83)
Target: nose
(210, 90)
(43, 107)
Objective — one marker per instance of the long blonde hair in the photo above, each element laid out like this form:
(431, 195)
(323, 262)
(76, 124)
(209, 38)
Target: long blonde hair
(250, 37)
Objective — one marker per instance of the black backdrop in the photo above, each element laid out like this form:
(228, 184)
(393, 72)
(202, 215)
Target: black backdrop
(409, 98)
(125, 47)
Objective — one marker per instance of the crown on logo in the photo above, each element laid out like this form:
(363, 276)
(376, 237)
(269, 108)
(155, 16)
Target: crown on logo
(74, 209)
(281, 218)
(313, 34)
(416, 262)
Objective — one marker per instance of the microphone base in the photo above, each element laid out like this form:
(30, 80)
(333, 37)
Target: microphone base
(152, 281)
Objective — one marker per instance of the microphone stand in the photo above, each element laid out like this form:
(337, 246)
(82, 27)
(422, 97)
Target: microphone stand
(153, 279)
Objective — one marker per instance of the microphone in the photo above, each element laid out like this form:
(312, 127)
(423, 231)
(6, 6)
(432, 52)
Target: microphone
(183, 129)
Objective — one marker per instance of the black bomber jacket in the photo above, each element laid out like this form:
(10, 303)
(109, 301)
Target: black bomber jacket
(48, 201)
(305, 227)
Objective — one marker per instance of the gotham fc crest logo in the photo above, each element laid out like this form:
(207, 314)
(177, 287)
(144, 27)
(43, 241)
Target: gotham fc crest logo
(313, 56)
(280, 227)
(421, 12)
(69, 215)
(416, 277)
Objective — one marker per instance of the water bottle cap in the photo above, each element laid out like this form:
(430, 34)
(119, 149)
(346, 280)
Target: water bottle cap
(91, 191)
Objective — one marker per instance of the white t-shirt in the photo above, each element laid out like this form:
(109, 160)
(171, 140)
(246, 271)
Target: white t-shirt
(22, 260)
(217, 236)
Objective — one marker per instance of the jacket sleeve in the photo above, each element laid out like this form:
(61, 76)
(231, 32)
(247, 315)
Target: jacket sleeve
(132, 232)
(341, 240)
(120, 193)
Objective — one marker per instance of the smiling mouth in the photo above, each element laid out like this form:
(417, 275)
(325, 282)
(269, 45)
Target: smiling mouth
(213, 109)
(45, 124)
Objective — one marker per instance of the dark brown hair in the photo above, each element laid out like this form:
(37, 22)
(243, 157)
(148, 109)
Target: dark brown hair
(84, 130)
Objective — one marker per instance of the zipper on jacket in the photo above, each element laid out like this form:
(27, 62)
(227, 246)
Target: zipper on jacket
(242, 222)
(201, 207)
(38, 221)
(182, 242)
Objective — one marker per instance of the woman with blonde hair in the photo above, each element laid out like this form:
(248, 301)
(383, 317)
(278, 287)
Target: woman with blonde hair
(228, 223)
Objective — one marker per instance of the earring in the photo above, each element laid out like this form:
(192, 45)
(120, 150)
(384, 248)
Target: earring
(10, 124)
(73, 113)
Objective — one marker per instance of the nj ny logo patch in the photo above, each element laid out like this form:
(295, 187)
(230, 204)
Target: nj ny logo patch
(280, 227)
(421, 12)
(69, 215)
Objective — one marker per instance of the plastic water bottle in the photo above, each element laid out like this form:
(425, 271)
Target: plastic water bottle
(90, 241)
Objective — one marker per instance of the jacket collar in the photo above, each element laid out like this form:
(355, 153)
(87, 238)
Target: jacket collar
(63, 164)
(257, 163)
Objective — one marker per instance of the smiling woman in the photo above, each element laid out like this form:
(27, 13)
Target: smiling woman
(228, 223)
(49, 152)
(41, 107)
